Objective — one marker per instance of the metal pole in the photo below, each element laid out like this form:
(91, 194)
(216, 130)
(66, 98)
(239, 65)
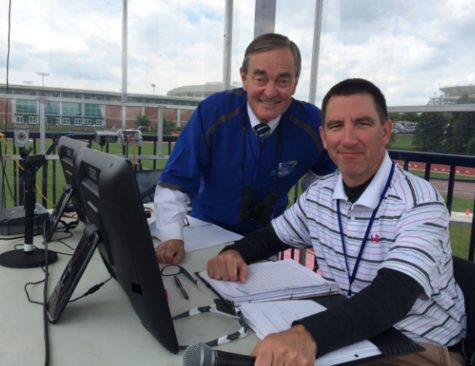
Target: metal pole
(42, 74)
(124, 61)
(317, 28)
(42, 113)
(160, 132)
(264, 17)
(228, 40)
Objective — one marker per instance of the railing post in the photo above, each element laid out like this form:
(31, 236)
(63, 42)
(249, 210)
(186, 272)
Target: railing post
(159, 131)
(450, 187)
(471, 247)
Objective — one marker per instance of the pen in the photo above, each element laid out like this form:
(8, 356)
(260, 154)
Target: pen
(180, 286)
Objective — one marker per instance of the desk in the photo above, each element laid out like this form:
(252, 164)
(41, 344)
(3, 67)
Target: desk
(100, 329)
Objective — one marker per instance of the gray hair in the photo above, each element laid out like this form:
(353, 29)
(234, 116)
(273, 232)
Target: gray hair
(271, 41)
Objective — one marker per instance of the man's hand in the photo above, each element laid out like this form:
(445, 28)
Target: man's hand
(228, 266)
(170, 251)
(294, 347)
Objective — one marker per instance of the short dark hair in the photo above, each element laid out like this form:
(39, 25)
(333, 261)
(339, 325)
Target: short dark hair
(358, 86)
(271, 41)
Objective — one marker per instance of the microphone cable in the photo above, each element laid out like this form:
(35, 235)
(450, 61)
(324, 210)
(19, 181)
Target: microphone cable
(45, 306)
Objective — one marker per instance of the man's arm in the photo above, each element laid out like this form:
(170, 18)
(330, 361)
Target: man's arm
(368, 313)
(182, 176)
(260, 244)
(170, 213)
(231, 263)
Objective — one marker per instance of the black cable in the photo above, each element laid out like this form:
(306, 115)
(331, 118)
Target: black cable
(11, 237)
(67, 236)
(27, 293)
(45, 300)
(45, 306)
(91, 290)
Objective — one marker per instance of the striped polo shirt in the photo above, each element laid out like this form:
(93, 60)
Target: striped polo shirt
(410, 234)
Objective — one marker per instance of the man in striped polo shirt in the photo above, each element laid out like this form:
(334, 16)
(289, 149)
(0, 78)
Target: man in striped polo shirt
(380, 233)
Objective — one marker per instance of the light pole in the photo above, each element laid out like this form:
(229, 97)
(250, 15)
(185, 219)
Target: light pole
(42, 74)
(153, 88)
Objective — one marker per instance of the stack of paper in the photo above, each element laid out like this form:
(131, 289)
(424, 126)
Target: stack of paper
(268, 281)
(200, 234)
(277, 316)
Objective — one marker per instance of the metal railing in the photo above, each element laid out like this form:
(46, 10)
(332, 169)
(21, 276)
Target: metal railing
(13, 184)
(406, 158)
(452, 162)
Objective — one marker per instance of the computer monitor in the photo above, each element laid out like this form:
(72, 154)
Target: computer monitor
(67, 150)
(112, 203)
(147, 181)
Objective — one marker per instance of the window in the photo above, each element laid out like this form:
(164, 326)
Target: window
(93, 110)
(26, 106)
(72, 109)
(52, 108)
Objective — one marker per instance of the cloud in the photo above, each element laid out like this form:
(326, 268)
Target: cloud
(409, 48)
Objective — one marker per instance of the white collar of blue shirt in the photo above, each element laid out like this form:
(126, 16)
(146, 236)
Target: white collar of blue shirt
(371, 195)
(255, 121)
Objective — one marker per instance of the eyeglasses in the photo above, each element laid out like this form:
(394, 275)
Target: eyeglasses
(175, 269)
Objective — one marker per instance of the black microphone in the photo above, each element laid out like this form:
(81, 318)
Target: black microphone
(200, 354)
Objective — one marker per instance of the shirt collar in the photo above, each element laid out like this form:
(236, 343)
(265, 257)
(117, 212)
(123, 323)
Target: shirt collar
(255, 121)
(370, 197)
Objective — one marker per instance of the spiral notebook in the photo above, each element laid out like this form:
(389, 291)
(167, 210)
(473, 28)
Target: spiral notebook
(268, 281)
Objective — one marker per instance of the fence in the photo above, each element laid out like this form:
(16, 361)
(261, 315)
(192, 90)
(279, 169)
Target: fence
(426, 161)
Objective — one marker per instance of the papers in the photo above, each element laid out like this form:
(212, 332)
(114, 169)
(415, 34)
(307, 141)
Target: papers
(285, 279)
(270, 317)
(200, 234)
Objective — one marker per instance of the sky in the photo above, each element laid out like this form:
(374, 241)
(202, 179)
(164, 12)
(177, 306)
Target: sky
(408, 48)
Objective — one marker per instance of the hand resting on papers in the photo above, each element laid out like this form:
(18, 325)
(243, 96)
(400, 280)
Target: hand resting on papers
(228, 266)
(171, 251)
(294, 346)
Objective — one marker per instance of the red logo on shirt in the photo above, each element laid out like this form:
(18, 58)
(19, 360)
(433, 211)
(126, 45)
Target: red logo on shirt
(375, 238)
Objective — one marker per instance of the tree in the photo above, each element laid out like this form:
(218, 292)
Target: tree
(143, 122)
(471, 146)
(431, 130)
(462, 130)
(169, 127)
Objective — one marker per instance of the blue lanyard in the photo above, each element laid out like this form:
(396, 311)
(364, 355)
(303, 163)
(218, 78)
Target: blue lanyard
(351, 278)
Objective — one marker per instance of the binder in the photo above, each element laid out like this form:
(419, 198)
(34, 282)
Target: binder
(268, 281)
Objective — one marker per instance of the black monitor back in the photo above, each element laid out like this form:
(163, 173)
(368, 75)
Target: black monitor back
(111, 199)
(67, 151)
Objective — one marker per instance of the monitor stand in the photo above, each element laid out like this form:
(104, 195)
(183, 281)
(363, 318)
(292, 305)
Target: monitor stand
(30, 256)
(72, 273)
(51, 223)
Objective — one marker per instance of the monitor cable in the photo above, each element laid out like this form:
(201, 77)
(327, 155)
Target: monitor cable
(45, 307)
